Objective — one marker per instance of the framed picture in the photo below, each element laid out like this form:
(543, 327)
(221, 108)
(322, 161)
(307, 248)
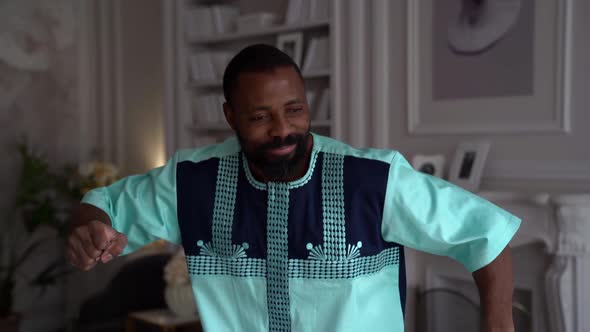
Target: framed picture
(292, 44)
(468, 163)
(429, 164)
(488, 66)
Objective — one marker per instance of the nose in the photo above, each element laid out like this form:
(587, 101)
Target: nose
(280, 127)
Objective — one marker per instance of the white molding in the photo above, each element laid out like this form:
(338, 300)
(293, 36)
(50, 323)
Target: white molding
(560, 124)
(275, 30)
(554, 296)
(538, 169)
(119, 84)
(338, 66)
(86, 47)
(169, 35)
(381, 39)
(358, 74)
(105, 62)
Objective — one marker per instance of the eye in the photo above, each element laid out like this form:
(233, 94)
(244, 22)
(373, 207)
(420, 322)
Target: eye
(258, 117)
(295, 110)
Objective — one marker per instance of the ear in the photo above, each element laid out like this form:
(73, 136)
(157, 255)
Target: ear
(229, 115)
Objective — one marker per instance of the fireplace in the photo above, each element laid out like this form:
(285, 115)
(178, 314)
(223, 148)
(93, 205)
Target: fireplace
(551, 263)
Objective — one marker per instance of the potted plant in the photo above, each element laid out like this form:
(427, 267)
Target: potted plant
(44, 199)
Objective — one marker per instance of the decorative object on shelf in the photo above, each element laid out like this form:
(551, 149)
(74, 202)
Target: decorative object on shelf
(459, 83)
(255, 21)
(179, 293)
(468, 164)
(480, 24)
(292, 44)
(429, 164)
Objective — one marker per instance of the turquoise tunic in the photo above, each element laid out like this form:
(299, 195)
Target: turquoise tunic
(323, 253)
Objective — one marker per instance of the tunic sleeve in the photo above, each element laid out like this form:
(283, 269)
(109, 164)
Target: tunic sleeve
(432, 215)
(143, 207)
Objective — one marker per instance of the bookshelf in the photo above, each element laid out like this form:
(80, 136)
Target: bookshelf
(275, 30)
(198, 55)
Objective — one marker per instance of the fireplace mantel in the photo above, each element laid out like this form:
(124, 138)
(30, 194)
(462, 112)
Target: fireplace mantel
(562, 224)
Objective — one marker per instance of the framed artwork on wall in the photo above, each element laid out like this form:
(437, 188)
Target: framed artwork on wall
(429, 164)
(488, 66)
(468, 164)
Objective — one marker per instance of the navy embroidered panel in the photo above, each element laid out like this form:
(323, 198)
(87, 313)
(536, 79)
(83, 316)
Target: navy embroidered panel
(305, 214)
(195, 188)
(364, 196)
(250, 216)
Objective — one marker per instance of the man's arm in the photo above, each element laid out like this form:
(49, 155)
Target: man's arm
(92, 239)
(495, 284)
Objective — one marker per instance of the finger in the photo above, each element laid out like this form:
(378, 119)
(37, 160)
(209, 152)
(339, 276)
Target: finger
(79, 262)
(84, 258)
(115, 248)
(89, 266)
(86, 243)
(101, 234)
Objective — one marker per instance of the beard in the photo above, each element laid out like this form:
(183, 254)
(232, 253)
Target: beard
(276, 168)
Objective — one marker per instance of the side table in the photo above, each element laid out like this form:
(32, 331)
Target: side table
(162, 318)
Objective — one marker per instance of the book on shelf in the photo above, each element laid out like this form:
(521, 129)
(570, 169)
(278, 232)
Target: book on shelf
(201, 67)
(209, 66)
(255, 21)
(299, 11)
(295, 12)
(198, 22)
(201, 21)
(319, 10)
(208, 110)
(322, 107)
(310, 95)
(220, 59)
(317, 55)
(224, 17)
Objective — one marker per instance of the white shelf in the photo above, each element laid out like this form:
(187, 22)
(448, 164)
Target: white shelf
(225, 127)
(210, 84)
(228, 37)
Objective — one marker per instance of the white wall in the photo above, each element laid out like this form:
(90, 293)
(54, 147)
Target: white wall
(143, 84)
(552, 153)
(373, 110)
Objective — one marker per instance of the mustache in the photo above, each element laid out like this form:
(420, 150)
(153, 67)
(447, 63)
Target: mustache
(279, 142)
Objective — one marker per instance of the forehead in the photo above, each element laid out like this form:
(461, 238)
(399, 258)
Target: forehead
(280, 82)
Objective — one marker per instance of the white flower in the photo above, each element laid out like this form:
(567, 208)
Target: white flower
(86, 169)
(176, 271)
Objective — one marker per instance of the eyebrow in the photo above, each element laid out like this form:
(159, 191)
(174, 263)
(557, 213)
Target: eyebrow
(268, 108)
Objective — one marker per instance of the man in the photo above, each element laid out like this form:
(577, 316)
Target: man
(286, 230)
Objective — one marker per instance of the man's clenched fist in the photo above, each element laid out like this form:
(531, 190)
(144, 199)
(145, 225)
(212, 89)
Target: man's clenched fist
(94, 242)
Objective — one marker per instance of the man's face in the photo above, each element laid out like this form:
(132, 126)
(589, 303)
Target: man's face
(270, 116)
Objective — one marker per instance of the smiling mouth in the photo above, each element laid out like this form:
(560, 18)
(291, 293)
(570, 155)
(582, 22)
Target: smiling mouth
(284, 150)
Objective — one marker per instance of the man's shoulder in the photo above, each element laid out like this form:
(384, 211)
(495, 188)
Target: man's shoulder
(220, 150)
(329, 145)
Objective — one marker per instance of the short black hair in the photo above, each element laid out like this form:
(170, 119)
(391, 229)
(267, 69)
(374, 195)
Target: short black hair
(252, 59)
